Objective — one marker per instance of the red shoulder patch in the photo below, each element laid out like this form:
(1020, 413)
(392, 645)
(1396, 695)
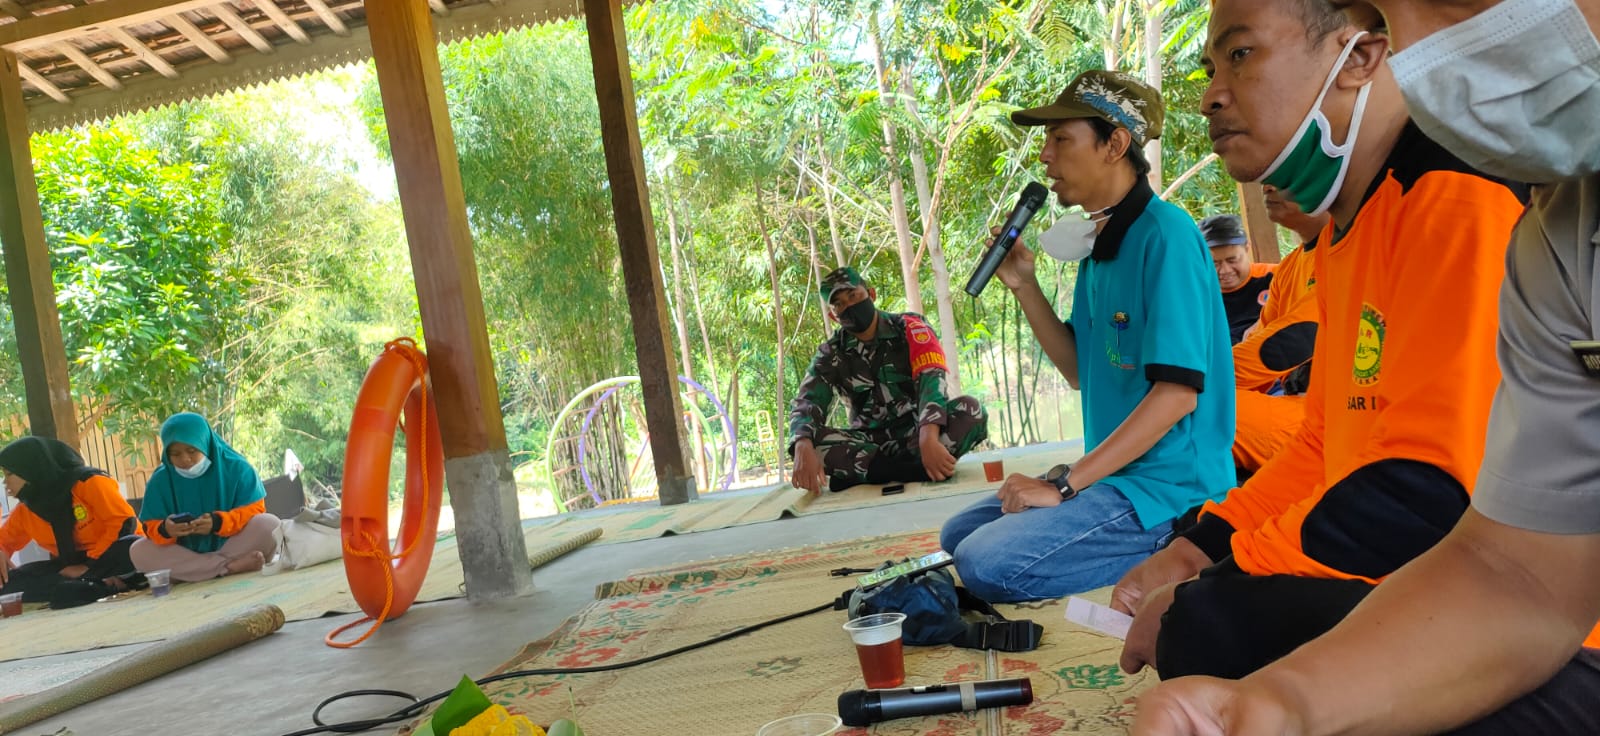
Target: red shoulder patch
(926, 352)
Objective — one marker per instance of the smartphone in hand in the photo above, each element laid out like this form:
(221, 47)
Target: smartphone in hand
(181, 518)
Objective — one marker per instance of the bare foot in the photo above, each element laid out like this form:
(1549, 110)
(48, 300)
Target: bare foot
(248, 563)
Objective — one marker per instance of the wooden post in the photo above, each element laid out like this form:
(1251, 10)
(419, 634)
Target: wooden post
(483, 493)
(641, 263)
(33, 293)
(1262, 231)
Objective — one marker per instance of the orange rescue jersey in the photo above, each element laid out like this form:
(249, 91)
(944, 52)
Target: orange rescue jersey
(101, 515)
(1404, 374)
(1287, 331)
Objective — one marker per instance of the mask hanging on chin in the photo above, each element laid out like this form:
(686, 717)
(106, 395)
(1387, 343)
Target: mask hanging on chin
(1514, 91)
(1311, 169)
(1071, 239)
(858, 318)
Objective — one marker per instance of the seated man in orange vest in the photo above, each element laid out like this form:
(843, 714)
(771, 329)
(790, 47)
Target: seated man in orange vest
(1272, 364)
(1384, 462)
(1244, 282)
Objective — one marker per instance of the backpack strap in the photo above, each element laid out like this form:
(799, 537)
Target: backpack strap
(998, 633)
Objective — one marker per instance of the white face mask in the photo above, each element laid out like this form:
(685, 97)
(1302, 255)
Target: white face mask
(1071, 239)
(1514, 91)
(196, 470)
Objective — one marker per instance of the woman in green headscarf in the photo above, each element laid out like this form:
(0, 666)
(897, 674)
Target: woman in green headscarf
(205, 512)
(75, 512)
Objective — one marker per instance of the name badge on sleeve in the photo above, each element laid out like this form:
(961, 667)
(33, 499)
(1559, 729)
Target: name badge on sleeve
(1588, 353)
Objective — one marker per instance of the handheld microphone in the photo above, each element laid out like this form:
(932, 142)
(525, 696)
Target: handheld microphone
(866, 707)
(1032, 199)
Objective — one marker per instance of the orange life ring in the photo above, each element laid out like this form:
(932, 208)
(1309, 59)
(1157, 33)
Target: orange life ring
(385, 582)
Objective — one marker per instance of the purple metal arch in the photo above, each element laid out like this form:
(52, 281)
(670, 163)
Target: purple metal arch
(588, 419)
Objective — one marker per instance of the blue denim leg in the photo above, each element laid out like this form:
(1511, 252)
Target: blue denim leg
(1083, 544)
(967, 521)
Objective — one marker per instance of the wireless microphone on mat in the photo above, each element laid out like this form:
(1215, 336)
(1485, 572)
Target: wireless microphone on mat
(866, 707)
(1033, 197)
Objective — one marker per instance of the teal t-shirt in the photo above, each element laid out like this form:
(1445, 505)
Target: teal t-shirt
(1147, 308)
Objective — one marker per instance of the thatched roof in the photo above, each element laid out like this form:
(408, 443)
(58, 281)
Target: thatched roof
(83, 61)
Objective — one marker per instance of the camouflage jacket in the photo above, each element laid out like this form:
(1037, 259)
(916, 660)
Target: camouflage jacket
(896, 381)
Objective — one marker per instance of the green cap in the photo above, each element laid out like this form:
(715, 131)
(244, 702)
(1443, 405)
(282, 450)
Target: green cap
(1117, 98)
(843, 277)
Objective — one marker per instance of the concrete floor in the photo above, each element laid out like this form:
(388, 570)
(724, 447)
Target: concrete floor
(269, 687)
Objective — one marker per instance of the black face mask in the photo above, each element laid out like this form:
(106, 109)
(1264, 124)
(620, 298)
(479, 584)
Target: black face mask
(858, 317)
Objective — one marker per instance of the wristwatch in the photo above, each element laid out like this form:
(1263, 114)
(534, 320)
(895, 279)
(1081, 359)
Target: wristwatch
(1058, 476)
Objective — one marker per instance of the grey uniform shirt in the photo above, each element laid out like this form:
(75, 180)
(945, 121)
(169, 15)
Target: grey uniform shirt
(1541, 468)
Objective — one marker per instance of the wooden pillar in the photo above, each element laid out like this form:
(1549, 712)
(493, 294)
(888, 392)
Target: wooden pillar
(483, 493)
(1262, 231)
(641, 263)
(33, 293)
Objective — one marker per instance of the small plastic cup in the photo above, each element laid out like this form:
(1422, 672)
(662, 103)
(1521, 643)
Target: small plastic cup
(10, 605)
(878, 647)
(994, 471)
(805, 724)
(160, 582)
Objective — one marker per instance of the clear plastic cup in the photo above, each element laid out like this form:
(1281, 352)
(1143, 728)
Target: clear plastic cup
(879, 649)
(160, 582)
(10, 605)
(805, 724)
(994, 471)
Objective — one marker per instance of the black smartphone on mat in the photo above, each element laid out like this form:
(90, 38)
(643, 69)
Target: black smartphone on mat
(893, 488)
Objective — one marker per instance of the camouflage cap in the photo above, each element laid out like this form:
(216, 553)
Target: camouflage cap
(843, 277)
(1115, 97)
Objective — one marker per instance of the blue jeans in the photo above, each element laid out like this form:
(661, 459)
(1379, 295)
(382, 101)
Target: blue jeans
(1083, 544)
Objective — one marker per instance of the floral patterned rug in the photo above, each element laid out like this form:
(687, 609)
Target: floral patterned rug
(797, 667)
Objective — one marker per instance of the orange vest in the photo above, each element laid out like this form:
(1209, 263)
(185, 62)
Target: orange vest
(99, 507)
(1404, 366)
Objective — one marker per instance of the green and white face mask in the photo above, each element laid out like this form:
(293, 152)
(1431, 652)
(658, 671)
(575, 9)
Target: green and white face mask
(1311, 169)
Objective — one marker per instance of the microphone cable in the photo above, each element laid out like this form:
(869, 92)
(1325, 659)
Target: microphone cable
(417, 705)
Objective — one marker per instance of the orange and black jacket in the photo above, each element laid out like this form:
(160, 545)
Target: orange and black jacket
(1405, 371)
(1287, 330)
(101, 516)
(1243, 303)
(223, 523)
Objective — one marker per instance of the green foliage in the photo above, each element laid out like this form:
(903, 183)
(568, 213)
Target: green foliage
(146, 292)
(329, 280)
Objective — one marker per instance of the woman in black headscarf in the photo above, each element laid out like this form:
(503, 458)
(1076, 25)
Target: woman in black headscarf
(75, 512)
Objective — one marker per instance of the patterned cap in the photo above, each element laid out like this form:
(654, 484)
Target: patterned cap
(1117, 98)
(843, 277)
(1221, 230)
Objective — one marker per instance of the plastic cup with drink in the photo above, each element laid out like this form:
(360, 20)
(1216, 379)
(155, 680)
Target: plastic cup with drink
(160, 582)
(805, 724)
(878, 647)
(994, 471)
(10, 605)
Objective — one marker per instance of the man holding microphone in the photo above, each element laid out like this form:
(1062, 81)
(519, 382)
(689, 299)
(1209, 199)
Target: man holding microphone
(1146, 342)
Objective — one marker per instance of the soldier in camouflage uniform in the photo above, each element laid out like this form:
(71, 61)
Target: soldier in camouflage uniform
(890, 370)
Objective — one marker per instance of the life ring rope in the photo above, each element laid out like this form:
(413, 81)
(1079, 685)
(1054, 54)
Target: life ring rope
(406, 348)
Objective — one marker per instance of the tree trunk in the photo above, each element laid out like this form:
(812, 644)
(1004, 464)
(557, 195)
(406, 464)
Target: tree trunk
(679, 321)
(777, 322)
(1154, 14)
(897, 189)
(949, 333)
(817, 271)
(825, 167)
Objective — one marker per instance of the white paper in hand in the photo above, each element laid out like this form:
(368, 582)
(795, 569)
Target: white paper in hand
(1092, 615)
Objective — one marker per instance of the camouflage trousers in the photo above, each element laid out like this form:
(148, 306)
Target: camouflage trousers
(849, 454)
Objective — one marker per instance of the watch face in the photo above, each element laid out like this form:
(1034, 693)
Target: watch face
(1057, 476)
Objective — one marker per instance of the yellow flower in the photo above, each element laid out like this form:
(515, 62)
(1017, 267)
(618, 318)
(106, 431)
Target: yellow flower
(496, 721)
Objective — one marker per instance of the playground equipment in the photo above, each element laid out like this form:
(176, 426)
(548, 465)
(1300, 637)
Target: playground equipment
(718, 455)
